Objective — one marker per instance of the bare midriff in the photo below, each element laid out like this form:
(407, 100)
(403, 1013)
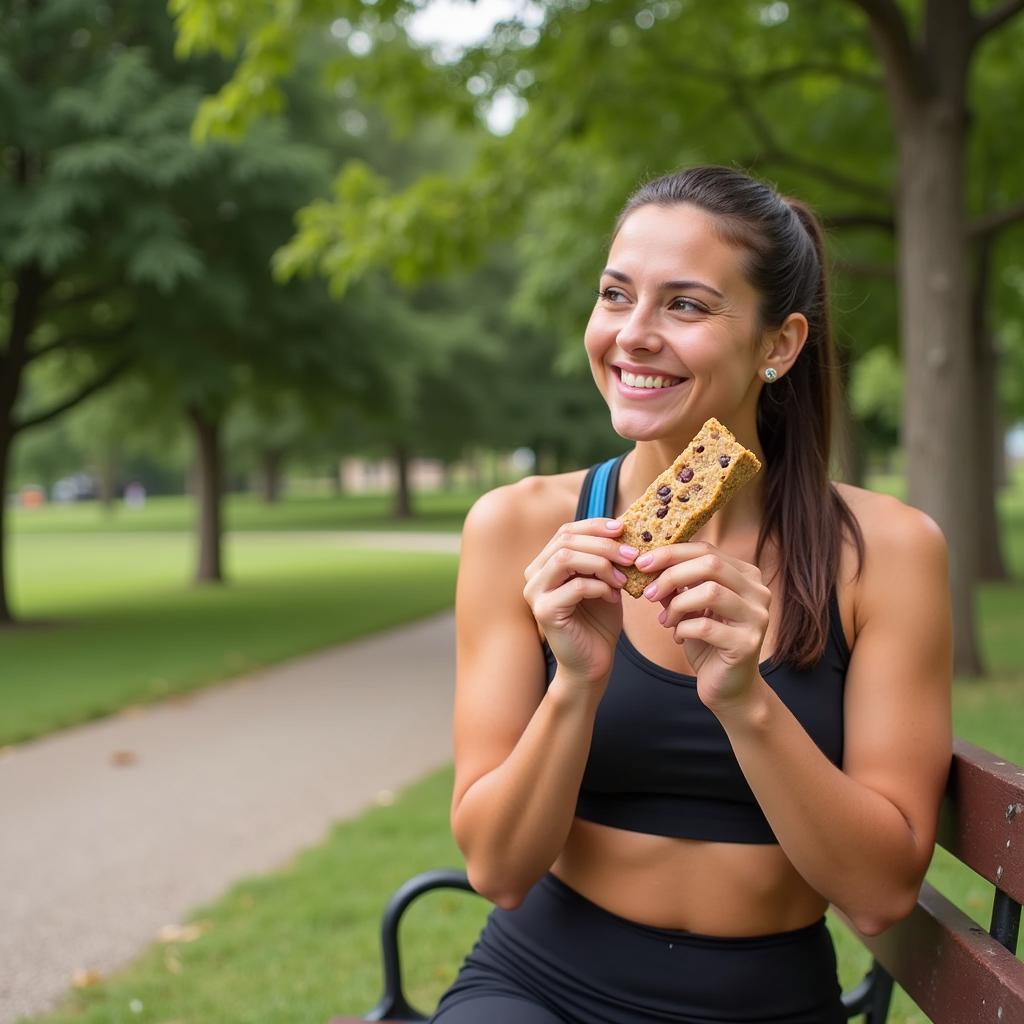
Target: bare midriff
(724, 889)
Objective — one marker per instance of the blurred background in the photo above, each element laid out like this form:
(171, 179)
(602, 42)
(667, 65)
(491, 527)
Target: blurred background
(274, 274)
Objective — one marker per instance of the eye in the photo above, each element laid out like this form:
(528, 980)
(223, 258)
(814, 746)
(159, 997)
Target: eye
(612, 294)
(682, 305)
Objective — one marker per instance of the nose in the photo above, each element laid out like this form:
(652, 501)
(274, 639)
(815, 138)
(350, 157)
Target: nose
(640, 331)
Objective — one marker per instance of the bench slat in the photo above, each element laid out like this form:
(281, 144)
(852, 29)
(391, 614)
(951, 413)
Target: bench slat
(924, 956)
(982, 820)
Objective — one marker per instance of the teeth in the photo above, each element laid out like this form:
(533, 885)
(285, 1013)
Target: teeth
(635, 381)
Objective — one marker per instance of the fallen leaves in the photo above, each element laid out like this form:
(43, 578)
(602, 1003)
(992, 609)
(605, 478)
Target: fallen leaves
(182, 932)
(84, 977)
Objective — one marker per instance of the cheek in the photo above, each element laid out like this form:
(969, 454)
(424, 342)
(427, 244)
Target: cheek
(595, 341)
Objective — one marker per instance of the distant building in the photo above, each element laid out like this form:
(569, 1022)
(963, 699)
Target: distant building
(360, 475)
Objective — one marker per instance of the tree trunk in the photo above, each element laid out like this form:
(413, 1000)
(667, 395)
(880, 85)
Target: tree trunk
(271, 465)
(938, 437)
(6, 437)
(989, 428)
(24, 315)
(107, 466)
(926, 78)
(208, 486)
(403, 492)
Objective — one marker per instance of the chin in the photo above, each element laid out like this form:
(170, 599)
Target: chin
(638, 428)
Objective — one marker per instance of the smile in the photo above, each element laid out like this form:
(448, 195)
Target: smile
(632, 383)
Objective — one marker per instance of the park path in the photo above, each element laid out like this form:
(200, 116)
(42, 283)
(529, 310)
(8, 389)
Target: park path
(113, 829)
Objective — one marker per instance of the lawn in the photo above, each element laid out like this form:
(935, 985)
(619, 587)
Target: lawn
(434, 511)
(116, 622)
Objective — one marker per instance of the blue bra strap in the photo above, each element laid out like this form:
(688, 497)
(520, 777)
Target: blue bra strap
(601, 500)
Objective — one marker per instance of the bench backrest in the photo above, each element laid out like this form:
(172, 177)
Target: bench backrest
(954, 970)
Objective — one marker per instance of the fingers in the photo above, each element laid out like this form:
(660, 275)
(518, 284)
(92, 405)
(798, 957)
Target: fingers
(714, 633)
(570, 561)
(553, 608)
(577, 564)
(710, 597)
(688, 565)
(595, 536)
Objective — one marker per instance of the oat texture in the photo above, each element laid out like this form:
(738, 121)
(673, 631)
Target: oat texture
(703, 477)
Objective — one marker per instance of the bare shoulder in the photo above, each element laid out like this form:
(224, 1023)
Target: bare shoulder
(891, 528)
(905, 552)
(519, 519)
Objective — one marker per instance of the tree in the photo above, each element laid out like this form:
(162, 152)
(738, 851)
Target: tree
(87, 164)
(581, 76)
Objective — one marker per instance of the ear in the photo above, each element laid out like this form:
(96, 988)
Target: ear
(780, 347)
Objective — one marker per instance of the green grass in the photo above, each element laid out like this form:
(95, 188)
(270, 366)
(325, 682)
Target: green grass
(115, 621)
(434, 511)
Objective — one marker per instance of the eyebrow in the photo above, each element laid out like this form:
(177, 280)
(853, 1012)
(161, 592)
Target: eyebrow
(665, 285)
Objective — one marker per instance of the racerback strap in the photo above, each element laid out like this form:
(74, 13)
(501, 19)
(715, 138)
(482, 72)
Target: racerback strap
(597, 495)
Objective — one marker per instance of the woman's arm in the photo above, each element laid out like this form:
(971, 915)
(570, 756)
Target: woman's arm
(521, 748)
(863, 837)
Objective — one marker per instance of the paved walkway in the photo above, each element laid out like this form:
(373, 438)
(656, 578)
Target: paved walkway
(114, 829)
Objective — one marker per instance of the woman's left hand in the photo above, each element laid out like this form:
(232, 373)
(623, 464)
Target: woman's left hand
(717, 608)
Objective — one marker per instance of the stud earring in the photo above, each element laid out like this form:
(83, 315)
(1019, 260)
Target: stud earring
(771, 374)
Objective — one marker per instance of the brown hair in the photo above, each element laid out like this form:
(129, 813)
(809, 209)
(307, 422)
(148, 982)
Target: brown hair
(803, 512)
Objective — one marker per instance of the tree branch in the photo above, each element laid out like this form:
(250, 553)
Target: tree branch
(99, 382)
(904, 64)
(996, 18)
(56, 303)
(992, 223)
(775, 153)
(45, 350)
(810, 67)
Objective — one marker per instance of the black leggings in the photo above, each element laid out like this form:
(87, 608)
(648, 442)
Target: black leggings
(559, 959)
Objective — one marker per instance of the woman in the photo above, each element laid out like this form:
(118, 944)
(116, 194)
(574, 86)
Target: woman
(662, 796)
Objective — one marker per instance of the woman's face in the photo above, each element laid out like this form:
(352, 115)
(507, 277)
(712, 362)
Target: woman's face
(674, 311)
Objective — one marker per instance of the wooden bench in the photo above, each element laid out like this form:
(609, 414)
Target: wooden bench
(955, 971)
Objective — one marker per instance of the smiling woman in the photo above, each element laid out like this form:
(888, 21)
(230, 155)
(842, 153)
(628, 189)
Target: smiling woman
(662, 796)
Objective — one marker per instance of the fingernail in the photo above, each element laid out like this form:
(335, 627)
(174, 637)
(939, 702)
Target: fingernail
(649, 592)
(627, 552)
(612, 524)
(644, 560)
(620, 577)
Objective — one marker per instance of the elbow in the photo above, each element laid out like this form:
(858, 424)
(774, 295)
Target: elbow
(875, 920)
(496, 890)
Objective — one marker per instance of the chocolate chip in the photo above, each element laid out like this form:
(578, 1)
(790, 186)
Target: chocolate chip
(723, 461)
(685, 475)
(684, 497)
(698, 487)
(664, 489)
(665, 498)
(661, 513)
(646, 536)
(700, 448)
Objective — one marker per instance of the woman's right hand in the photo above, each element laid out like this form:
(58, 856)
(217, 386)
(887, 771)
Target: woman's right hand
(574, 590)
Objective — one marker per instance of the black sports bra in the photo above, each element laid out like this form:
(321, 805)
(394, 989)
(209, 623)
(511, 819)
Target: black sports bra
(659, 761)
